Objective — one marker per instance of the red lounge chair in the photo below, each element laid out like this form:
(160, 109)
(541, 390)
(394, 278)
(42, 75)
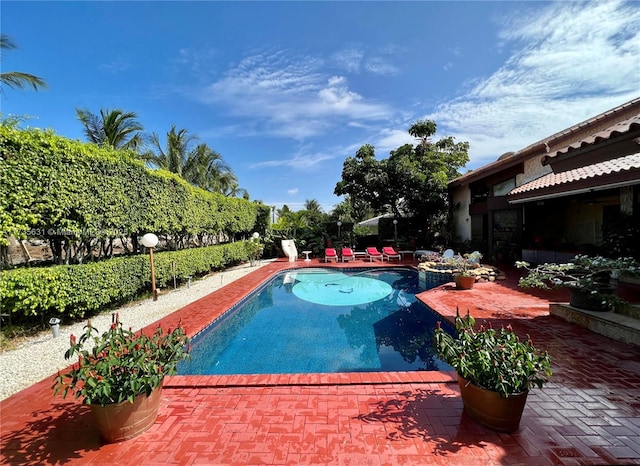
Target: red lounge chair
(373, 252)
(390, 253)
(347, 255)
(330, 254)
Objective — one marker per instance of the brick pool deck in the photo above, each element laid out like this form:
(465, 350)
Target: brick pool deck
(589, 414)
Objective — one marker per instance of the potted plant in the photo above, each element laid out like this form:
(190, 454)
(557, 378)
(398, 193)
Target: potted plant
(587, 278)
(495, 370)
(119, 373)
(463, 276)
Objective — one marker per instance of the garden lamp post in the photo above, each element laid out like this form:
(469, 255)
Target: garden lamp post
(255, 254)
(150, 241)
(395, 231)
(339, 225)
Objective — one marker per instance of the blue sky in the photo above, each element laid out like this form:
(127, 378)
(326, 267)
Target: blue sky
(285, 91)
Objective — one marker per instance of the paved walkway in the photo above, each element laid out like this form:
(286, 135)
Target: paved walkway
(589, 414)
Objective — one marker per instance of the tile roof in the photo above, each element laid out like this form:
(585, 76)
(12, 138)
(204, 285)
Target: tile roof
(618, 129)
(539, 147)
(629, 163)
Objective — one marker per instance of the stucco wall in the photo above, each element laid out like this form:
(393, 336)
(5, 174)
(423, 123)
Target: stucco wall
(533, 169)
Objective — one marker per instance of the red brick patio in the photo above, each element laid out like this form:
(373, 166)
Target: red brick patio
(589, 414)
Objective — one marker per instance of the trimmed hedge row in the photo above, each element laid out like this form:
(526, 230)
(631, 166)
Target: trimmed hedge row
(78, 190)
(73, 290)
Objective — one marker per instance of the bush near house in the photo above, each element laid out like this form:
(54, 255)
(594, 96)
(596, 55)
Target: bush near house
(72, 291)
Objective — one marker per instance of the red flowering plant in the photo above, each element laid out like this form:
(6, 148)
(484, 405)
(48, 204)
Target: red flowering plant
(121, 364)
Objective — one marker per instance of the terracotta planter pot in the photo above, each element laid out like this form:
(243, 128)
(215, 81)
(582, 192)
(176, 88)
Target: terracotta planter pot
(122, 421)
(464, 283)
(490, 409)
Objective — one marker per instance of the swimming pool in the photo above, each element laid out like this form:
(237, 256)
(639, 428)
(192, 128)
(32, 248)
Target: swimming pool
(321, 320)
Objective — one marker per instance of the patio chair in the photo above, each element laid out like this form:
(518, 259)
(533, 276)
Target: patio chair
(347, 255)
(372, 252)
(330, 254)
(475, 257)
(448, 254)
(390, 253)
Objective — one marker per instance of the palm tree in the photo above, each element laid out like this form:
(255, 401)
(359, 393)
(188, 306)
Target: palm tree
(313, 211)
(112, 128)
(298, 221)
(423, 130)
(312, 205)
(233, 189)
(200, 165)
(208, 170)
(17, 79)
(174, 156)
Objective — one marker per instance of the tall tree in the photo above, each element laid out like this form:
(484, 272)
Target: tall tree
(233, 189)
(205, 168)
(423, 130)
(17, 79)
(412, 181)
(112, 128)
(364, 179)
(313, 211)
(196, 162)
(174, 156)
(351, 210)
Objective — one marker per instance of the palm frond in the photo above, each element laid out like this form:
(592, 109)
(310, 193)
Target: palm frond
(16, 79)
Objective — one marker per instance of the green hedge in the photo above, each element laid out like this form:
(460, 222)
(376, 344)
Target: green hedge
(51, 183)
(75, 290)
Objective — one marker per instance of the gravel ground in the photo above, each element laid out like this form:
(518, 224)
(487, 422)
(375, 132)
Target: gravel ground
(42, 356)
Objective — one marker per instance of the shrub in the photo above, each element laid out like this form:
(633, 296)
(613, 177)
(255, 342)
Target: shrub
(493, 359)
(74, 290)
(49, 183)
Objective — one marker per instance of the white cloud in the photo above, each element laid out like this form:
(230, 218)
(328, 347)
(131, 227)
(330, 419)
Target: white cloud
(115, 67)
(348, 59)
(391, 139)
(337, 95)
(304, 162)
(196, 63)
(377, 65)
(292, 192)
(353, 60)
(569, 62)
(290, 97)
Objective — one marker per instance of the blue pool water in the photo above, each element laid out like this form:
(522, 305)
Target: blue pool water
(322, 320)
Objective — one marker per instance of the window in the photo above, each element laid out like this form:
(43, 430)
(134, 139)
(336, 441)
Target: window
(502, 189)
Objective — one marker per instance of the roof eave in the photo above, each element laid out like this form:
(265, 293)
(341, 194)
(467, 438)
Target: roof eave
(597, 183)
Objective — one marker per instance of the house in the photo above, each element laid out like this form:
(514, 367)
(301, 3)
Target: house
(576, 191)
